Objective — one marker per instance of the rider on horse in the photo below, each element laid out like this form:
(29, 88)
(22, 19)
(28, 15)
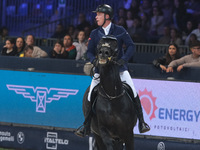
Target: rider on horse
(104, 16)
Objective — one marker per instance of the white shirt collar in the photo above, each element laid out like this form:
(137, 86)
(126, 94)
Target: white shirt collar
(107, 29)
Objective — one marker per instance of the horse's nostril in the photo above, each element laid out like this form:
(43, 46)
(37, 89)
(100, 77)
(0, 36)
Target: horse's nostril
(106, 53)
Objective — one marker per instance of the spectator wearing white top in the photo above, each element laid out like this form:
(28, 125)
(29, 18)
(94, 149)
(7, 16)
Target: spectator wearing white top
(81, 46)
(37, 51)
(195, 31)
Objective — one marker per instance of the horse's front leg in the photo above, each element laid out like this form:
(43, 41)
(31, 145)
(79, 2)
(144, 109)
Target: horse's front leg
(107, 140)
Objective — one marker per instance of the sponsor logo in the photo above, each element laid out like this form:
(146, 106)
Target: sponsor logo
(52, 141)
(41, 95)
(148, 102)
(20, 137)
(161, 146)
(179, 114)
(6, 136)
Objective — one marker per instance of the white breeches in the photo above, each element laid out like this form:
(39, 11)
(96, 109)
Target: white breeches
(125, 77)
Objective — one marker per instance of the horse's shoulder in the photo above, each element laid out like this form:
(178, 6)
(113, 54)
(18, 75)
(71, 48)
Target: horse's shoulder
(127, 88)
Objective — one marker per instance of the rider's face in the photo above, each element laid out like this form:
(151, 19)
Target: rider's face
(100, 18)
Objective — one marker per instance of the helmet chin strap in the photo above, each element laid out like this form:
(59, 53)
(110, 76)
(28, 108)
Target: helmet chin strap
(104, 20)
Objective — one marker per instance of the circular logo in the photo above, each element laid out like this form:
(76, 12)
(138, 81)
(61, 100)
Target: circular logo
(20, 137)
(161, 146)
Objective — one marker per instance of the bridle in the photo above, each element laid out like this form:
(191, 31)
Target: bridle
(111, 59)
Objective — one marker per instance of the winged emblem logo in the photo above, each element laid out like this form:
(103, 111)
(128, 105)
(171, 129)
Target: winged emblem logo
(41, 95)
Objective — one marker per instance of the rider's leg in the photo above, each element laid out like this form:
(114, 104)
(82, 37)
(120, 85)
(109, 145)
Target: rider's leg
(95, 81)
(85, 129)
(125, 77)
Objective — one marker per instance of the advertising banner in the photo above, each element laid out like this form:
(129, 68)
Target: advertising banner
(171, 108)
(45, 99)
(41, 139)
(46, 139)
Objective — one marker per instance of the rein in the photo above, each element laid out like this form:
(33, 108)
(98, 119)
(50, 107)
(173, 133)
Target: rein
(111, 97)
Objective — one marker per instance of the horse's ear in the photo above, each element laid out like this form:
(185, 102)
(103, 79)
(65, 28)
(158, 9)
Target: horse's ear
(114, 46)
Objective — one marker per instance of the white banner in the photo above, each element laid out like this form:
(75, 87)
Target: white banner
(171, 108)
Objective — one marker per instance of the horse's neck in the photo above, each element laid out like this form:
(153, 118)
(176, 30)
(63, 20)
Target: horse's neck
(110, 80)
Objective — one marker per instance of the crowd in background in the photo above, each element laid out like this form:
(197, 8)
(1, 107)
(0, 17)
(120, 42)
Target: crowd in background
(147, 21)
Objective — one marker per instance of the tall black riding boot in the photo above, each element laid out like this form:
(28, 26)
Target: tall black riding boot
(143, 127)
(84, 130)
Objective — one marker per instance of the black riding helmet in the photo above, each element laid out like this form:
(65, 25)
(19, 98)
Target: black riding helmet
(106, 9)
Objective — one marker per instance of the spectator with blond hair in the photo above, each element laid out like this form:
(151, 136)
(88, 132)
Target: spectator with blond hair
(37, 51)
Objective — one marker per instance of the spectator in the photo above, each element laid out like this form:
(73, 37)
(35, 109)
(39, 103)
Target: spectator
(145, 22)
(37, 52)
(179, 15)
(192, 39)
(136, 32)
(191, 60)
(87, 31)
(174, 37)
(192, 7)
(122, 22)
(121, 14)
(172, 54)
(167, 9)
(129, 20)
(134, 8)
(82, 22)
(3, 34)
(59, 33)
(165, 39)
(20, 44)
(9, 49)
(53, 19)
(157, 22)
(58, 51)
(195, 31)
(72, 31)
(81, 46)
(69, 47)
(188, 29)
(28, 51)
(145, 7)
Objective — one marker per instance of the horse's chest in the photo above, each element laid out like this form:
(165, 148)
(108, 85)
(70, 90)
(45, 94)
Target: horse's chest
(110, 114)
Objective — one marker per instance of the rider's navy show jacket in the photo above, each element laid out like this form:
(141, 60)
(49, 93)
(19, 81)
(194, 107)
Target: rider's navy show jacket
(122, 38)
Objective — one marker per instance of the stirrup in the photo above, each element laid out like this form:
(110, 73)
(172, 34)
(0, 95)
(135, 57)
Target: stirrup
(143, 127)
(82, 131)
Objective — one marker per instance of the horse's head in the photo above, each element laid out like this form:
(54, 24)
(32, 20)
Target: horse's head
(107, 49)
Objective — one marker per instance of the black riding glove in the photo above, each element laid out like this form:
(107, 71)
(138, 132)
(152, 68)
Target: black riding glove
(121, 62)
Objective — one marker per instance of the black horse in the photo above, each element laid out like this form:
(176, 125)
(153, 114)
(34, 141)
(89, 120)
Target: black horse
(114, 117)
